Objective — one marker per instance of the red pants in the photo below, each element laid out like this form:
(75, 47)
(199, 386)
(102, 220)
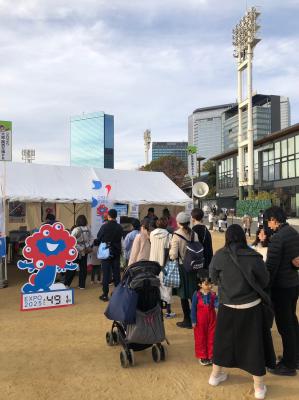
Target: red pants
(204, 330)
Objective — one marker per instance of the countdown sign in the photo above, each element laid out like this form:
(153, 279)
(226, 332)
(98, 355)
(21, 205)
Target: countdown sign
(42, 300)
(49, 251)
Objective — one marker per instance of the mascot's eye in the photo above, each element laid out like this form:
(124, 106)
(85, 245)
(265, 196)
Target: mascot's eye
(40, 264)
(72, 252)
(28, 249)
(46, 233)
(58, 227)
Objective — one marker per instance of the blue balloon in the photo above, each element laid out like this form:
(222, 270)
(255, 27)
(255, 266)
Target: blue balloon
(97, 185)
(94, 202)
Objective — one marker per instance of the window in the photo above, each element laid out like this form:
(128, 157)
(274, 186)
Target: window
(226, 173)
(17, 211)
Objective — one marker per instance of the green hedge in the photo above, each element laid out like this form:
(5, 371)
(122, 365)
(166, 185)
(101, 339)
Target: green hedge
(251, 207)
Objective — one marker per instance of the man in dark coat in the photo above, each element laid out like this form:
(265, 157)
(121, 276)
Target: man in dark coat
(111, 233)
(284, 285)
(203, 234)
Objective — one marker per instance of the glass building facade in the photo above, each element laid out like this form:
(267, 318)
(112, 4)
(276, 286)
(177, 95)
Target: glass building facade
(205, 129)
(177, 149)
(92, 140)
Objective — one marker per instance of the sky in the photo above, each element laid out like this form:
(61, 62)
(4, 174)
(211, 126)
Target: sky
(149, 63)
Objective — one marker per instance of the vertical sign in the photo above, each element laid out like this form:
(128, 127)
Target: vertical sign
(100, 204)
(192, 161)
(5, 141)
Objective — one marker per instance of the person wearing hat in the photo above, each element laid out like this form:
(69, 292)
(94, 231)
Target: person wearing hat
(188, 279)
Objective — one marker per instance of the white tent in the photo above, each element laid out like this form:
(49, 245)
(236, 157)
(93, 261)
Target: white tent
(52, 183)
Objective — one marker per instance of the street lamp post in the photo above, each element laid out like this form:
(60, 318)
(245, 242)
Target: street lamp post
(244, 42)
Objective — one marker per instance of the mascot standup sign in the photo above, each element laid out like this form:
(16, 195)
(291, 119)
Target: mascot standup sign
(49, 251)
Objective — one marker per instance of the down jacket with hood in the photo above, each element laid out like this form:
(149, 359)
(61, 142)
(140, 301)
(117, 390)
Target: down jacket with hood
(233, 288)
(160, 239)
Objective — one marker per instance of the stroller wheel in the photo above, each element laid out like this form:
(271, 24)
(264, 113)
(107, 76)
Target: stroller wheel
(156, 353)
(163, 351)
(131, 357)
(115, 336)
(124, 361)
(109, 339)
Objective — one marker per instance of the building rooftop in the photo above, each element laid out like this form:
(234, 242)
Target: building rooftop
(214, 107)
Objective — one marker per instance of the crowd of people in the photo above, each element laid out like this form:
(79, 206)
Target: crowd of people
(256, 282)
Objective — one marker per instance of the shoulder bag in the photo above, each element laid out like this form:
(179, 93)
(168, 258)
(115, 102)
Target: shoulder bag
(266, 301)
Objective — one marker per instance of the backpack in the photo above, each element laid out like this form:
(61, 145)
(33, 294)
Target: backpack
(194, 256)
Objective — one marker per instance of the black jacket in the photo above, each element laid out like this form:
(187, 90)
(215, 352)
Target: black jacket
(233, 288)
(283, 247)
(111, 233)
(205, 239)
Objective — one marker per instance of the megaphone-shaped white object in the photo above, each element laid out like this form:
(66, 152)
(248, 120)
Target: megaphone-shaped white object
(200, 189)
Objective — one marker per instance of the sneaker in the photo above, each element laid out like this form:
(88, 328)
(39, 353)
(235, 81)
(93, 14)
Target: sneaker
(215, 380)
(170, 315)
(82, 288)
(104, 298)
(260, 393)
(282, 370)
(203, 361)
(184, 324)
(98, 282)
(210, 361)
(92, 282)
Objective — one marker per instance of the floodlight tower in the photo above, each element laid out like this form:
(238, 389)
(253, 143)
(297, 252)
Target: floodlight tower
(147, 144)
(28, 155)
(244, 42)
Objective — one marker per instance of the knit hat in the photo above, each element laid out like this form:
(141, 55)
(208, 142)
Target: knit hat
(183, 218)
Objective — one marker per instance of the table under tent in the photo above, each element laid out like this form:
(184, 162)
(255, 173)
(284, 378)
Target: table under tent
(33, 190)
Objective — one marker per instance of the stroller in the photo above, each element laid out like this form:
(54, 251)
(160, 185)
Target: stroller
(148, 331)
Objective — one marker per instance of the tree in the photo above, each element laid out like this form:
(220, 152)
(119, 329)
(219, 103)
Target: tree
(173, 167)
(210, 167)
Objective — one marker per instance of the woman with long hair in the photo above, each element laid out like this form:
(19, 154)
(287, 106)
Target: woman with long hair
(84, 246)
(141, 246)
(242, 338)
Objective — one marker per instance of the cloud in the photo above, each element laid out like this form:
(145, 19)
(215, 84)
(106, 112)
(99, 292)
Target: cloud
(150, 64)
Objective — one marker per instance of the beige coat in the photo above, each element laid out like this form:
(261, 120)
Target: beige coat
(160, 240)
(178, 245)
(141, 248)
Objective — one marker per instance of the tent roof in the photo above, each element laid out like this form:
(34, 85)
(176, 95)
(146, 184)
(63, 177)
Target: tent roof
(53, 183)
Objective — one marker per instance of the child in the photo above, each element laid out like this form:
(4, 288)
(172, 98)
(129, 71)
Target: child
(96, 265)
(203, 317)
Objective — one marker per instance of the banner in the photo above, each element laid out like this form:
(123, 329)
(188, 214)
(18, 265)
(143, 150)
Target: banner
(100, 205)
(5, 141)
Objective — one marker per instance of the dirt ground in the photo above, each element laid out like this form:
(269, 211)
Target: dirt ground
(62, 354)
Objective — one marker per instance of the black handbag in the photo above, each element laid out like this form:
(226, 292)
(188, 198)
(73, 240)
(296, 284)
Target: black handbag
(267, 309)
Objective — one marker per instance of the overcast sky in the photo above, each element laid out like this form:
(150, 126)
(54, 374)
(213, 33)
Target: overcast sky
(150, 63)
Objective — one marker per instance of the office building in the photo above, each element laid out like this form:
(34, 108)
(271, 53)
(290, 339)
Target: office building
(177, 149)
(205, 129)
(92, 140)
(270, 114)
(276, 169)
